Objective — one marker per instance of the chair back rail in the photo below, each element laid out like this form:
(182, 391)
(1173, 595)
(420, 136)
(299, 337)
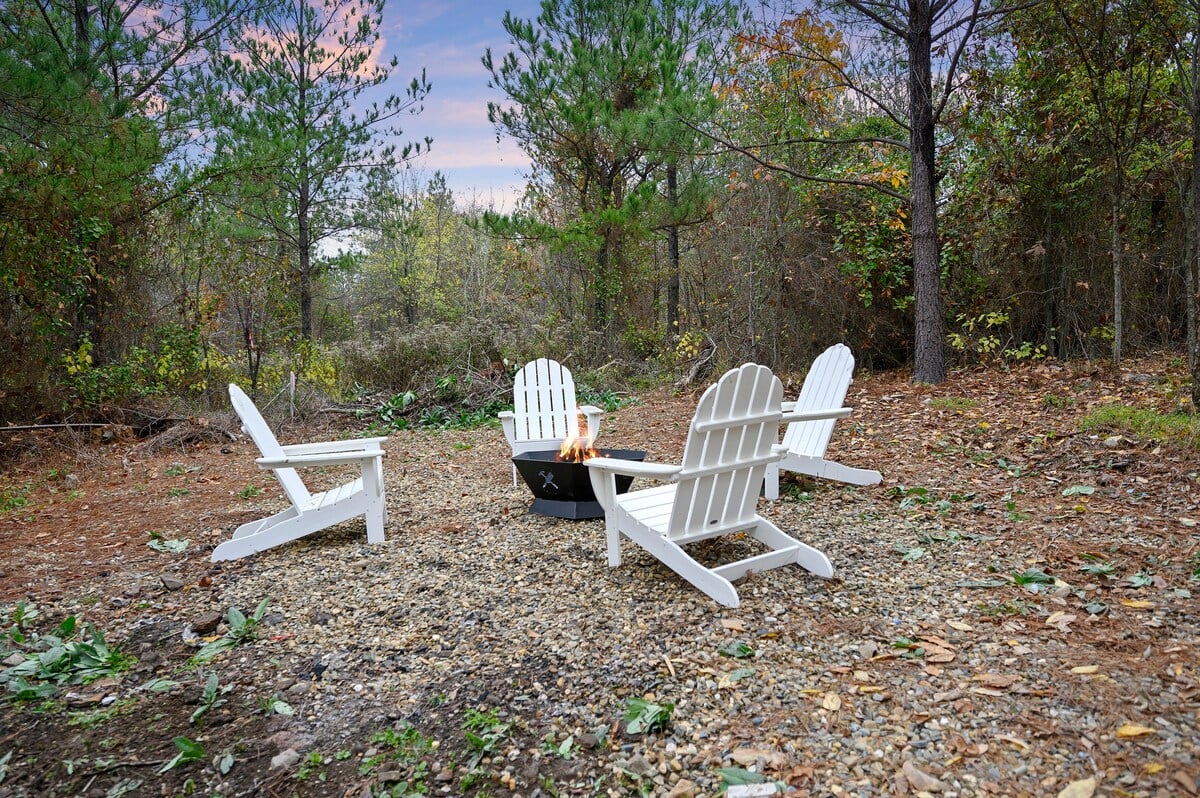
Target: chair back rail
(728, 447)
(258, 430)
(824, 387)
(544, 402)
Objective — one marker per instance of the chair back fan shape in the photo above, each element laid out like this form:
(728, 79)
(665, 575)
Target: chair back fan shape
(728, 447)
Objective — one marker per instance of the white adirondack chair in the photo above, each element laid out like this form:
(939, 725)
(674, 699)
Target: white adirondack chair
(805, 442)
(309, 512)
(730, 443)
(544, 411)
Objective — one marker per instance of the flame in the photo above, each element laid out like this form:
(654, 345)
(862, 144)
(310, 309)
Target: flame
(578, 449)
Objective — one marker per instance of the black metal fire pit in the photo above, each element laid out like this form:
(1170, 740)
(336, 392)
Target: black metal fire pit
(563, 489)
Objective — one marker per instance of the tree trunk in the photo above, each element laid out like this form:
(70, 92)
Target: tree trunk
(929, 358)
(1193, 267)
(673, 257)
(1118, 304)
(306, 325)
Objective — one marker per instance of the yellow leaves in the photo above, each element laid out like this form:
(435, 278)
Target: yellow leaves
(1131, 730)
(1137, 604)
(1085, 670)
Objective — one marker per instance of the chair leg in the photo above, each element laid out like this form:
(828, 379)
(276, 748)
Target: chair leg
(771, 482)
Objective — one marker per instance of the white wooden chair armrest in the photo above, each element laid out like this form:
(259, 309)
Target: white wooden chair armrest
(326, 447)
(508, 422)
(633, 468)
(814, 415)
(603, 471)
(310, 460)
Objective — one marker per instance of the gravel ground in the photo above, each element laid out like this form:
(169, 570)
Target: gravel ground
(901, 674)
(933, 663)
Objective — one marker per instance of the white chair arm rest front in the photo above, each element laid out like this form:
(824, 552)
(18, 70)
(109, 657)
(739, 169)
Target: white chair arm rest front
(310, 460)
(633, 468)
(814, 415)
(327, 447)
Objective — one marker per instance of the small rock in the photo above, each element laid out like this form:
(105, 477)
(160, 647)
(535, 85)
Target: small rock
(206, 624)
(684, 789)
(285, 759)
(171, 582)
(641, 766)
(587, 740)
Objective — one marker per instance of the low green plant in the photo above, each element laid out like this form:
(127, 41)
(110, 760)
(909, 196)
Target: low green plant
(956, 403)
(242, 629)
(564, 749)
(73, 654)
(13, 498)
(177, 492)
(167, 545)
(250, 491)
(1099, 569)
(909, 648)
(313, 761)
(189, 751)
(89, 719)
(211, 698)
(484, 732)
(737, 650)
(175, 470)
(643, 716)
(407, 748)
(1177, 428)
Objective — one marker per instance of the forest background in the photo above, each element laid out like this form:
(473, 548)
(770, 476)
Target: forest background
(929, 182)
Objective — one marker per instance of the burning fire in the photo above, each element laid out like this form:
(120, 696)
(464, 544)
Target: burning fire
(578, 449)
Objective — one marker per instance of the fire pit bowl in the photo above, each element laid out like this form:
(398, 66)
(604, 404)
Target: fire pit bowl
(563, 489)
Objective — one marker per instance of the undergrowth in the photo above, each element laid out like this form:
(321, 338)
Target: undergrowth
(1177, 428)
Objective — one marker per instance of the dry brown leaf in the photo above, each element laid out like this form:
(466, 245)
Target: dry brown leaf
(1060, 620)
(1137, 604)
(733, 624)
(1184, 780)
(997, 680)
(1085, 669)
(920, 780)
(986, 691)
(1015, 742)
(832, 702)
(960, 626)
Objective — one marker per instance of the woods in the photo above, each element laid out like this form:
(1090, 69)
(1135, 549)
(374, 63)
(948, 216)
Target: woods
(200, 191)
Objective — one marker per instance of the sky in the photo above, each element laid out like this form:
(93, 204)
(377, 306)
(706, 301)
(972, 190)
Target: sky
(448, 39)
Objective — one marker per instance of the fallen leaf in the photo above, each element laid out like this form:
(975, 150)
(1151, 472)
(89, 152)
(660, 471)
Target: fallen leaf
(998, 680)
(1134, 730)
(1188, 521)
(1153, 767)
(733, 624)
(960, 626)
(1060, 620)
(1085, 669)
(1084, 788)
(832, 702)
(1016, 742)
(1185, 781)
(1137, 604)
(920, 780)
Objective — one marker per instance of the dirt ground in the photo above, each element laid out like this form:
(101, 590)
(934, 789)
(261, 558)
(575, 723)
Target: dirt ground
(79, 512)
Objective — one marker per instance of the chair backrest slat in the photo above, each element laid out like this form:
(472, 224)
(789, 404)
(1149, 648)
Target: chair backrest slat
(824, 387)
(544, 402)
(256, 427)
(723, 460)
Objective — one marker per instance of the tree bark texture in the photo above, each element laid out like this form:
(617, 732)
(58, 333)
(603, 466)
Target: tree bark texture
(929, 357)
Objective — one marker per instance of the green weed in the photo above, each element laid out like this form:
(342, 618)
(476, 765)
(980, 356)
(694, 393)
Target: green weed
(1176, 428)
